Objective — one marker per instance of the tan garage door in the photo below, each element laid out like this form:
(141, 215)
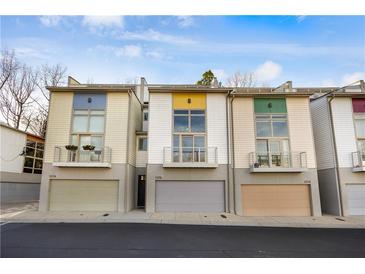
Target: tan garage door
(276, 200)
(83, 195)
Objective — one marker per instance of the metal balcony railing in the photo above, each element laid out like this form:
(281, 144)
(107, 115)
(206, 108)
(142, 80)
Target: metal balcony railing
(289, 160)
(195, 155)
(98, 155)
(358, 159)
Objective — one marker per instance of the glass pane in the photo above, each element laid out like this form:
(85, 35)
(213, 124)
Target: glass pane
(29, 151)
(179, 111)
(38, 164)
(40, 146)
(263, 129)
(262, 117)
(28, 162)
(97, 112)
(142, 144)
(187, 154)
(28, 170)
(82, 112)
(261, 146)
(84, 155)
(79, 124)
(187, 141)
(280, 129)
(176, 140)
(74, 140)
(96, 124)
(285, 146)
(145, 116)
(274, 146)
(279, 116)
(197, 111)
(198, 123)
(199, 141)
(360, 128)
(181, 123)
(30, 143)
(97, 141)
(38, 171)
(39, 153)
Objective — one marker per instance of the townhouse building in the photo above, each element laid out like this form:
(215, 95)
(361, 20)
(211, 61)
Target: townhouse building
(90, 156)
(339, 133)
(21, 165)
(274, 161)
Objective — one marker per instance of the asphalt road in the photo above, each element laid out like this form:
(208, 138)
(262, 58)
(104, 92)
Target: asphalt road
(155, 240)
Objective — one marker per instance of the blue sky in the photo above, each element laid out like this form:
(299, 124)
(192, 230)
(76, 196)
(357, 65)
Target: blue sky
(309, 50)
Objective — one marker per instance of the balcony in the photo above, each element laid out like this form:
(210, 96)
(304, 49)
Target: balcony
(82, 158)
(268, 162)
(358, 161)
(188, 157)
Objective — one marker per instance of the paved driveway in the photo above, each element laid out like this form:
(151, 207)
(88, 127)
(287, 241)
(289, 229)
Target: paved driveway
(162, 240)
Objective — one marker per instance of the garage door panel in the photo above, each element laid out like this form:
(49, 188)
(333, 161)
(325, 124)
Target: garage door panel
(356, 199)
(77, 195)
(190, 196)
(276, 200)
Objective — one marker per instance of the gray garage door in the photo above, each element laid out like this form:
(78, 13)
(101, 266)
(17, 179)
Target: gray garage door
(190, 196)
(356, 199)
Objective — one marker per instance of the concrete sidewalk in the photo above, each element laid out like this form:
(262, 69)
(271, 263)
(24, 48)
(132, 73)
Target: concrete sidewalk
(139, 216)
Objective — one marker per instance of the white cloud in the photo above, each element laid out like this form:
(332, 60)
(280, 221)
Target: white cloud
(185, 21)
(154, 54)
(301, 18)
(50, 21)
(350, 78)
(267, 71)
(98, 24)
(130, 51)
(155, 36)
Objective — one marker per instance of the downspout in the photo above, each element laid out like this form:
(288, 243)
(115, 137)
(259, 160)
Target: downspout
(336, 156)
(228, 146)
(233, 154)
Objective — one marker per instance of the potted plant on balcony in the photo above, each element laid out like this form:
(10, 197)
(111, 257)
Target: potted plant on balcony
(71, 147)
(88, 147)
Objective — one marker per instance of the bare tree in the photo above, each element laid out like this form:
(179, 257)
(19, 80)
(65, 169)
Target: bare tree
(36, 121)
(8, 64)
(51, 76)
(15, 96)
(239, 80)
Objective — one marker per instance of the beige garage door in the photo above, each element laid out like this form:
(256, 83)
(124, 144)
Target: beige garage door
(276, 200)
(83, 195)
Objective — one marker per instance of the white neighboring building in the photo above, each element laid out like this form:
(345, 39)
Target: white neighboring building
(21, 157)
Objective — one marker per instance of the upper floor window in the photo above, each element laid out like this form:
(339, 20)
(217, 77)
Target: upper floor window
(189, 120)
(88, 121)
(145, 116)
(142, 143)
(271, 125)
(33, 160)
(360, 132)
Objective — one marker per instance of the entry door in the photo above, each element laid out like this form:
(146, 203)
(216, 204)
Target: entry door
(141, 191)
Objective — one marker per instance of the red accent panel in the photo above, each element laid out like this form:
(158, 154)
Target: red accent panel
(358, 105)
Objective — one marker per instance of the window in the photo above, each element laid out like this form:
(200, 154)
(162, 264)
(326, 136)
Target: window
(189, 143)
(272, 140)
(33, 160)
(145, 116)
(189, 120)
(142, 144)
(360, 133)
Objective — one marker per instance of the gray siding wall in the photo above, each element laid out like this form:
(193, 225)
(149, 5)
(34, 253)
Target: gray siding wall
(329, 192)
(19, 192)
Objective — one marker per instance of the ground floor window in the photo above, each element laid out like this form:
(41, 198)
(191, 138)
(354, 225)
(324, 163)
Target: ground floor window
(33, 160)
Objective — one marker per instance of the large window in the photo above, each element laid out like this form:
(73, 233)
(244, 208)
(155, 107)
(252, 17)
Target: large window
(33, 160)
(142, 143)
(272, 140)
(360, 133)
(88, 125)
(189, 140)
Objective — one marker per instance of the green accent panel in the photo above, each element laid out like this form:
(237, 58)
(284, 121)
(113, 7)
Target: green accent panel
(278, 105)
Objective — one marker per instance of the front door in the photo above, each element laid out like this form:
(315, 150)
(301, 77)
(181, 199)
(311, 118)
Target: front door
(141, 191)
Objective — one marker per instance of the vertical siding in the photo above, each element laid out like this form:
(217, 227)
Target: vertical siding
(160, 120)
(117, 125)
(12, 144)
(300, 128)
(217, 125)
(244, 131)
(59, 123)
(344, 130)
(322, 133)
(135, 123)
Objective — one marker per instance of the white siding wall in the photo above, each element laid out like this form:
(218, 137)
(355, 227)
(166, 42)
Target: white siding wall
(160, 122)
(300, 128)
(12, 144)
(244, 131)
(322, 133)
(344, 130)
(216, 125)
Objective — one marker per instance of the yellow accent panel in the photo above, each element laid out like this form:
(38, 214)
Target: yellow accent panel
(198, 101)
